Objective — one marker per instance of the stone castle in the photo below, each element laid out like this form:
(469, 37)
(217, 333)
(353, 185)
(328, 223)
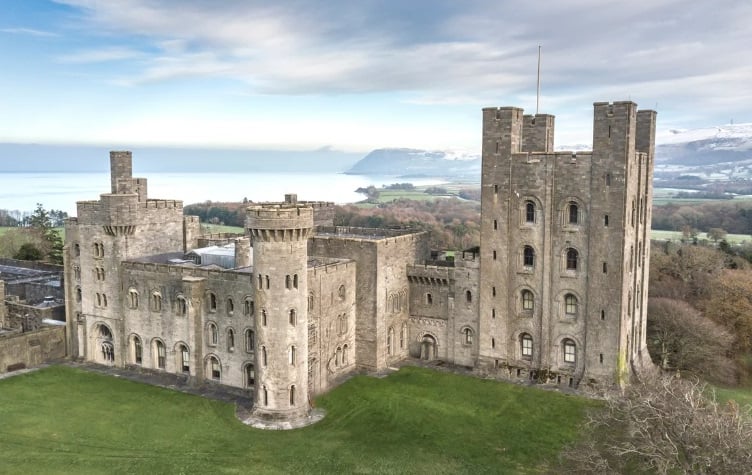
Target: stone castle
(557, 291)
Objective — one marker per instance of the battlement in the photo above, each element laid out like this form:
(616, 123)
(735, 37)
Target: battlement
(429, 274)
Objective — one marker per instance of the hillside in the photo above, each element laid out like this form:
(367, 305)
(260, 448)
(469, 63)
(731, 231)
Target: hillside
(407, 163)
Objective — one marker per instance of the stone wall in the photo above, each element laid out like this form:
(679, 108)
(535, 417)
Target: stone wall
(27, 350)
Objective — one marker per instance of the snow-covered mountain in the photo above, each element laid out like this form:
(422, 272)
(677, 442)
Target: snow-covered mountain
(714, 153)
(407, 162)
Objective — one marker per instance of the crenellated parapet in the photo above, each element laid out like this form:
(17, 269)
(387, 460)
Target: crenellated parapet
(282, 222)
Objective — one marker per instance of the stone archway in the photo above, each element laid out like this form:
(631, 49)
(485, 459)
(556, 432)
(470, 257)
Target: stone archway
(104, 346)
(428, 348)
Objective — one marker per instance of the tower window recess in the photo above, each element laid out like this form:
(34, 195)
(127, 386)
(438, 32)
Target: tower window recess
(182, 306)
(603, 314)
(529, 212)
(263, 317)
(230, 340)
(138, 350)
(250, 341)
(468, 336)
(570, 351)
(292, 395)
(495, 225)
(288, 281)
(570, 305)
(213, 334)
(429, 299)
(292, 355)
(250, 375)
(216, 370)
(526, 346)
(494, 255)
(608, 179)
(161, 355)
(572, 258)
(496, 189)
(263, 355)
(493, 291)
(574, 213)
(528, 300)
(493, 343)
(468, 296)
(230, 306)
(248, 307)
(605, 220)
(528, 256)
(605, 268)
(185, 359)
(293, 317)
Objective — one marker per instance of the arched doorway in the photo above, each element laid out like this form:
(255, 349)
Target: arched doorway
(428, 348)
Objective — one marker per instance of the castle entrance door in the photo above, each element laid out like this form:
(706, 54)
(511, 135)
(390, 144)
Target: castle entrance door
(428, 348)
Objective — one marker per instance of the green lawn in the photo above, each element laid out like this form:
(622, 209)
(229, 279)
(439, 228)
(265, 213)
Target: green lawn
(662, 235)
(64, 420)
(743, 396)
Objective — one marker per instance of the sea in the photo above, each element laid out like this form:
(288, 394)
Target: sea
(20, 192)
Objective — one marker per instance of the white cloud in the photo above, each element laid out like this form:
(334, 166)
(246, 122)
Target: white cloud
(100, 55)
(28, 31)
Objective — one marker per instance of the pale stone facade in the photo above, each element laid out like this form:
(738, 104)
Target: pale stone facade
(556, 292)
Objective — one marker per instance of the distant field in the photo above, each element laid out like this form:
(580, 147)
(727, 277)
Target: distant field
(662, 235)
(60, 230)
(220, 228)
(64, 420)
(743, 396)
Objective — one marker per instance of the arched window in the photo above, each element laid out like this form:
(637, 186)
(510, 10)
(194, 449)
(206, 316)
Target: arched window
(213, 334)
(341, 293)
(133, 298)
(574, 213)
(78, 294)
(230, 340)
(76, 250)
(344, 355)
(265, 396)
(293, 317)
(570, 351)
(468, 296)
(570, 305)
(248, 307)
(429, 299)
(182, 305)
(215, 369)
(468, 336)
(184, 359)
(263, 317)
(212, 302)
(608, 179)
(156, 301)
(572, 257)
(263, 355)
(529, 212)
(310, 302)
(288, 281)
(250, 341)
(337, 356)
(292, 395)
(389, 341)
(230, 306)
(403, 336)
(292, 355)
(528, 300)
(161, 354)
(104, 300)
(138, 350)
(250, 375)
(526, 346)
(295, 280)
(528, 256)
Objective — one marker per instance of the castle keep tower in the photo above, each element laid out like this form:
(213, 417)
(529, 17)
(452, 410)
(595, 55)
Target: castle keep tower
(280, 235)
(565, 246)
(121, 225)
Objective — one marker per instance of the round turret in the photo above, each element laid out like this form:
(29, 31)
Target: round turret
(280, 262)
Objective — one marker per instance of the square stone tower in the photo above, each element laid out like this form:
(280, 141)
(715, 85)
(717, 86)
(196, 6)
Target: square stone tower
(565, 246)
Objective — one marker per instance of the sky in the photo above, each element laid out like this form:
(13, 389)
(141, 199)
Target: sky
(357, 75)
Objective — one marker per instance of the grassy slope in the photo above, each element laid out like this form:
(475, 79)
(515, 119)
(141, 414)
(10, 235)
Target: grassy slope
(415, 421)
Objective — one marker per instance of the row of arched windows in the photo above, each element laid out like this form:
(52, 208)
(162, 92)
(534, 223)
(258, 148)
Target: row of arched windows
(213, 366)
(397, 301)
(182, 304)
(212, 336)
(571, 258)
(571, 213)
(390, 343)
(568, 349)
(570, 303)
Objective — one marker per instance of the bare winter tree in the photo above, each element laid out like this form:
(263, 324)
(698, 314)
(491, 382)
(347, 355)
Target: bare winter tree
(665, 425)
(681, 338)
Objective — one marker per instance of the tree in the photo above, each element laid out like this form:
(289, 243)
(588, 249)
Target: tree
(663, 425)
(28, 252)
(51, 244)
(716, 234)
(729, 302)
(680, 338)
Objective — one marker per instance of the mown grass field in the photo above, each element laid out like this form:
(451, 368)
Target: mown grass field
(662, 235)
(64, 420)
